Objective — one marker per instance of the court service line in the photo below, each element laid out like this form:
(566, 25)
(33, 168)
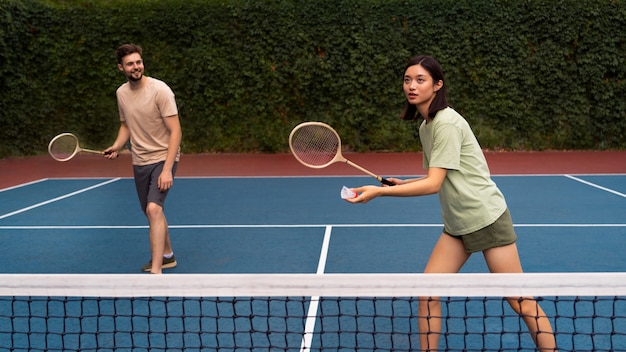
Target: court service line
(278, 226)
(311, 317)
(596, 186)
(58, 198)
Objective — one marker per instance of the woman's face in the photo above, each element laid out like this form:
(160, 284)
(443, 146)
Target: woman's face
(419, 87)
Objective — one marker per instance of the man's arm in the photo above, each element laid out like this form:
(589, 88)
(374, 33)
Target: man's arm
(166, 179)
(123, 135)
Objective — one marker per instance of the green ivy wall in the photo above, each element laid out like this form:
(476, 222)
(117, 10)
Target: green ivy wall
(530, 75)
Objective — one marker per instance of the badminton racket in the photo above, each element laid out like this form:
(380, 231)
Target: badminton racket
(317, 145)
(65, 146)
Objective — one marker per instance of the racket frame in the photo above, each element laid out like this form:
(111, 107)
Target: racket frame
(77, 149)
(338, 155)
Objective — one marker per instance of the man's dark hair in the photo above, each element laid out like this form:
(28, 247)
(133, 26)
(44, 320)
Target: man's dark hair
(126, 49)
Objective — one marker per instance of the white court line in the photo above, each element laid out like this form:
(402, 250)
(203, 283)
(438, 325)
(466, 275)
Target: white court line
(596, 186)
(311, 317)
(57, 198)
(278, 226)
(23, 185)
(206, 226)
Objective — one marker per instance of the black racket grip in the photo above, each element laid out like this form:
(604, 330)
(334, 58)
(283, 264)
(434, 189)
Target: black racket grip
(386, 182)
(109, 153)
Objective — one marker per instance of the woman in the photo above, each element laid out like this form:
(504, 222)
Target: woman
(474, 211)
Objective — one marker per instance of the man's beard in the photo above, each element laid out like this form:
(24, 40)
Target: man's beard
(133, 78)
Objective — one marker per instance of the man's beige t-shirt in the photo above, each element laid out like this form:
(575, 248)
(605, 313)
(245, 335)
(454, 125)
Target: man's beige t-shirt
(144, 111)
(469, 199)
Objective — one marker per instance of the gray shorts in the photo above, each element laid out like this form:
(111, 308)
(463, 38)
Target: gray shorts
(498, 234)
(146, 182)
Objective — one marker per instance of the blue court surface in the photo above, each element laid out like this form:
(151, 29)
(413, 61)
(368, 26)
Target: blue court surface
(266, 225)
(277, 225)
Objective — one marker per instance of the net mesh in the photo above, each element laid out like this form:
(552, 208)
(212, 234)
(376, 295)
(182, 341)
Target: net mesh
(314, 145)
(63, 147)
(331, 312)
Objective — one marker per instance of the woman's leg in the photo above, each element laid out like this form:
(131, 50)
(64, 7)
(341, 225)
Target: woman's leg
(448, 256)
(505, 259)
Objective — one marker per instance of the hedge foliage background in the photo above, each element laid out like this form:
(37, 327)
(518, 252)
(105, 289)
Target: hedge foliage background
(527, 74)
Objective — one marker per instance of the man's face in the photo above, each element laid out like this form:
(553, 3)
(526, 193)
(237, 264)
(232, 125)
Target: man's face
(132, 66)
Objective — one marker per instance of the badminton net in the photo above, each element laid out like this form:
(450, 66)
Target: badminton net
(303, 312)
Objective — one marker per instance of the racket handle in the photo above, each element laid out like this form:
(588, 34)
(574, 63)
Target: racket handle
(379, 178)
(385, 181)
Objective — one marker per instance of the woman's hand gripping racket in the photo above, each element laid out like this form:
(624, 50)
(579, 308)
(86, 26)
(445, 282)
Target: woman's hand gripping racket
(317, 145)
(65, 146)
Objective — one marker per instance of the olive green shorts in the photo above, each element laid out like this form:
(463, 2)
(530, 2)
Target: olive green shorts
(498, 234)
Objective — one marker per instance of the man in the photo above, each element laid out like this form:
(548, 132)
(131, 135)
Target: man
(149, 118)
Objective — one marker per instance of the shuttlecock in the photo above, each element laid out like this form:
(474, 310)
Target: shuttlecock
(347, 193)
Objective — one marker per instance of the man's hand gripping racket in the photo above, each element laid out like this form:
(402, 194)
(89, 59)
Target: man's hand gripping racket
(317, 145)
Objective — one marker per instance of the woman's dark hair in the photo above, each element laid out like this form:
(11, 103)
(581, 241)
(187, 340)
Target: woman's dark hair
(441, 101)
(127, 49)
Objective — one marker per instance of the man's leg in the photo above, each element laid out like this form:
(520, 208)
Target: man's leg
(159, 236)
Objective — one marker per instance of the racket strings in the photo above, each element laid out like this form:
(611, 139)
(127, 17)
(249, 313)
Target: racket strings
(63, 147)
(315, 145)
